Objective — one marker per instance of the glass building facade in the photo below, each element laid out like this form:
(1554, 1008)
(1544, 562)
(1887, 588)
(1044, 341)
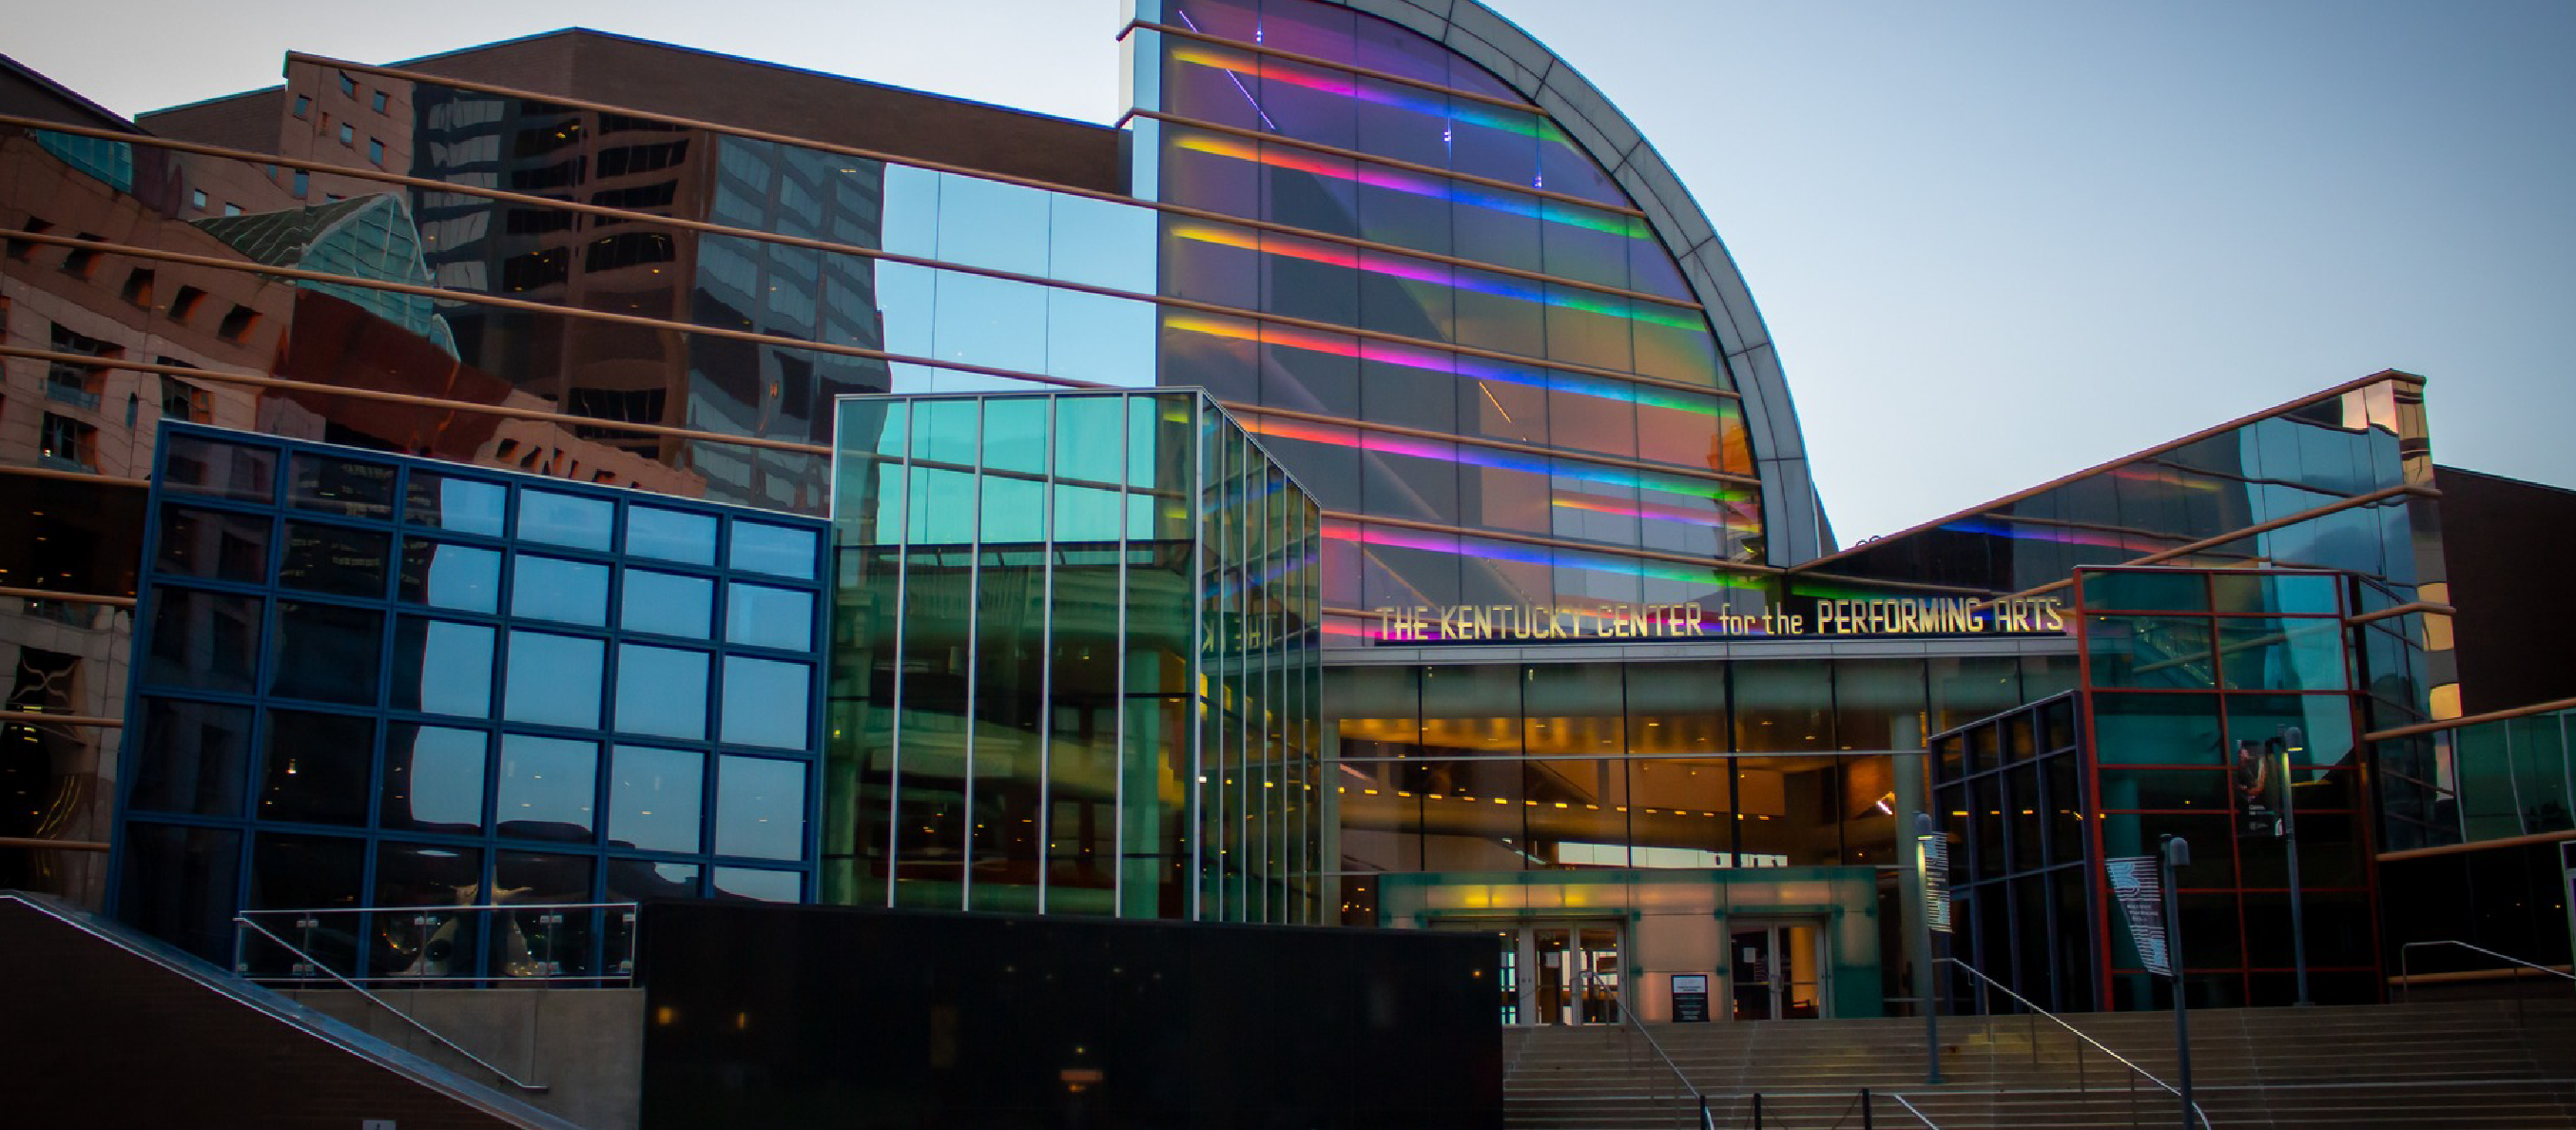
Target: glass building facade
(365, 681)
(1075, 661)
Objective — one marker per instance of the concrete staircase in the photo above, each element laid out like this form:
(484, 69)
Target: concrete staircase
(2484, 1065)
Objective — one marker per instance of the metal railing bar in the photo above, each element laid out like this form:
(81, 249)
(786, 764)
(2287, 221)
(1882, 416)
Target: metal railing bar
(1919, 1116)
(1629, 1017)
(2406, 967)
(449, 908)
(2079, 1034)
(451, 1045)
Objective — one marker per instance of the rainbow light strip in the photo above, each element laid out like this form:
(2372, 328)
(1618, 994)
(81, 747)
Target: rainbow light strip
(1362, 172)
(1523, 123)
(1466, 453)
(1411, 270)
(1651, 511)
(1469, 367)
(1482, 549)
(2006, 528)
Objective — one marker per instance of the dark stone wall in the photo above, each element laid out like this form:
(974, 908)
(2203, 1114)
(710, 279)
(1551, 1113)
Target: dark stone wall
(825, 1016)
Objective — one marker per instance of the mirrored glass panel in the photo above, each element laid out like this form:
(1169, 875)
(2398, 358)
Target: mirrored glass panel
(563, 519)
(661, 691)
(667, 604)
(653, 798)
(553, 679)
(546, 788)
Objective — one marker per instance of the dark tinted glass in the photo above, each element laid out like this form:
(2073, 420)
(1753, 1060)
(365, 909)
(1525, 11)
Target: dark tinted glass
(341, 486)
(225, 470)
(760, 808)
(546, 788)
(451, 576)
(203, 639)
(440, 667)
(212, 543)
(326, 653)
(653, 798)
(193, 757)
(334, 559)
(316, 768)
(752, 884)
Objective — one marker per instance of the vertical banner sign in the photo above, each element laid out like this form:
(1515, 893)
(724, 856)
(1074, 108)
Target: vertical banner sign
(2142, 901)
(1936, 881)
(2259, 792)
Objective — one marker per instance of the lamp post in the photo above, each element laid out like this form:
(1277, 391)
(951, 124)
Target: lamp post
(2175, 856)
(1928, 971)
(2292, 742)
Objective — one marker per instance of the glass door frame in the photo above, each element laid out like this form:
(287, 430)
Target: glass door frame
(1780, 975)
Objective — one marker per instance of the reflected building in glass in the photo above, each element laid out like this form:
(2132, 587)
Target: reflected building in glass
(374, 682)
(1075, 661)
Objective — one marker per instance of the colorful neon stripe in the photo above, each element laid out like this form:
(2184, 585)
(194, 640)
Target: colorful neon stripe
(1475, 114)
(1469, 367)
(1411, 270)
(1466, 453)
(1362, 172)
(1656, 513)
(1486, 550)
(2007, 528)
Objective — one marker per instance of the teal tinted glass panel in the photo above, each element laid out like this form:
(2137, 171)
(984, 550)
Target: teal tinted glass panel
(551, 588)
(769, 617)
(433, 779)
(760, 807)
(2156, 729)
(779, 551)
(1086, 513)
(944, 431)
(554, 680)
(2281, 653)
(1096, 338)
(943, 507)
(563, 519)
(547, 788)
(1101, 243)
(653, 798)
(2171, 652)
(661, 691)
(450, 576)
(2137, 590)
(1089, 439)
(1015, 434)
(1013, 511)
(442, 668)
(2291, 594)
(766, 702)
(670, 535)
(667, 604)
(756, 884)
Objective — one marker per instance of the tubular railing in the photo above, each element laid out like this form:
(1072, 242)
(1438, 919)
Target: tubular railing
(509, 943)
(2406, 957)
(1909, 1109)
(2097, 1045)
(1697, 1101)
(243, 921)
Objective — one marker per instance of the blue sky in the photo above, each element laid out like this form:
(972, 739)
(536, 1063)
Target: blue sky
(1996, 240)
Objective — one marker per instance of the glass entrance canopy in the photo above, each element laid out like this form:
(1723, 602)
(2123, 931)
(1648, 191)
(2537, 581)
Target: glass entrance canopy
(1074, 660)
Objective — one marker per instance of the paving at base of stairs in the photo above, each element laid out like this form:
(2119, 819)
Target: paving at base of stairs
(2484, 1065)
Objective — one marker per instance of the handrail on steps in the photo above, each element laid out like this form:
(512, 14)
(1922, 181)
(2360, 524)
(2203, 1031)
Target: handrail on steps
(451, 1045)
(2406, 956)
(2079, 1034)
(1628, 1017)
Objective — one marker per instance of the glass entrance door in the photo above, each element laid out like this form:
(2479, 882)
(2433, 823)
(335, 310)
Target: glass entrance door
(1572, 974)
(1773, 970)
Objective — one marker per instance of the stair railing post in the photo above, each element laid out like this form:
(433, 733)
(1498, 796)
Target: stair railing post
(1757, 1110)
(2177, 855)
(1864, 1110)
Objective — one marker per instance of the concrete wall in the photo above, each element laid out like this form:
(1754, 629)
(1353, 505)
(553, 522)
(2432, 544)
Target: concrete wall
(586, 1046)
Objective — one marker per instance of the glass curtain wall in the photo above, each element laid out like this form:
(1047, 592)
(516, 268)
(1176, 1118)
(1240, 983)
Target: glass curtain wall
(2010, 791)
(1452, 319)
(1663, 765)
(2197, 683)
(369, 681)
(1075, 666)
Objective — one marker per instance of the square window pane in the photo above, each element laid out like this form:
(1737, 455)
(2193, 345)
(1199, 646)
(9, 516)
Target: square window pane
(316, 768)
(203, 639)
(450, 576)
(547, 786)
(751, 884)
(326, 653)
(442, 668)
(427, 942)
(193, 757)
(667, 604)
(464, 505)
(760, 807)
(550, 588)
(353, 487)
(768, 617)
(224, 470)
(335, 559)
(653, 798)
(563, 519)
(662, 691)
(776, 550)
(765, 702)
(554, 680)
(433, 779)
(671, 535)
(212, 543)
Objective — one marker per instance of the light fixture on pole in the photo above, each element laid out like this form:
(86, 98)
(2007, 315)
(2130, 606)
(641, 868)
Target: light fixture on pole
(2291, 743)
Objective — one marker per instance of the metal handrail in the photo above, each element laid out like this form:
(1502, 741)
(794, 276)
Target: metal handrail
(1629, 1017)
(483, 908)
(451, 1045)
(2079, 1034)
(2406, 957)
(1919, 1116)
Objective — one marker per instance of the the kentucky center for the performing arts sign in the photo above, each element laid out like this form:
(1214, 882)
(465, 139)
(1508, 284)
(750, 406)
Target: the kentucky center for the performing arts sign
(1899, 616)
